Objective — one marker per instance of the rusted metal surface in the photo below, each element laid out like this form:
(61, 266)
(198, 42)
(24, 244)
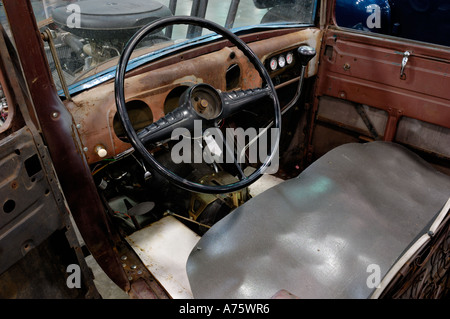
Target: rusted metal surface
(143, 284)
(190, 54)
(32, 225)
(61, 138)
(32, 213)
(94, 110)
(41, 273)
(365, 68)
(372, 77)
(6, 67)
(141, 290)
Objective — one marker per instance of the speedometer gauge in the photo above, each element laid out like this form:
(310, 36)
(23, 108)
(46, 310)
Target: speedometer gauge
(281, 61)
(273, 64)
(289, 58)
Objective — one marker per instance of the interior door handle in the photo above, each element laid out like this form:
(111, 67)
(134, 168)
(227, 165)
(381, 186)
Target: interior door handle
(406, 56)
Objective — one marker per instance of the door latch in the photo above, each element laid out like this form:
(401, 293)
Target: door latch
(406, 56)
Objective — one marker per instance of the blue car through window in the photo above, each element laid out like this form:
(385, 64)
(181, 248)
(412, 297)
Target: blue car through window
(421, 20)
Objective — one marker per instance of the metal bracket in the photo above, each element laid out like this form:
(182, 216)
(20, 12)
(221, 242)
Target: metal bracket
(48, 36)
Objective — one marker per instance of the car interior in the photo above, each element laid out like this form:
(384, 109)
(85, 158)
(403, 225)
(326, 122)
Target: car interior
(115, 143)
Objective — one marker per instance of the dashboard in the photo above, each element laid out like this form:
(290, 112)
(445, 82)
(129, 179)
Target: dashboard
(153, 90)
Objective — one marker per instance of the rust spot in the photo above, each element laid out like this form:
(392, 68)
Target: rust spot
(14, 185)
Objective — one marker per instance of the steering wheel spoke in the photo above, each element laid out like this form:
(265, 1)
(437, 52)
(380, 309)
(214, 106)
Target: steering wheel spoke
(236, 101)
(162, 129)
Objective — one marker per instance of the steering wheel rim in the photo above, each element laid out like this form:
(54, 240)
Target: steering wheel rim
(132, 134)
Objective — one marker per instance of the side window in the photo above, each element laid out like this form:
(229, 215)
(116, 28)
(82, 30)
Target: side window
(421, 20)
(4, 111)
(4, 19)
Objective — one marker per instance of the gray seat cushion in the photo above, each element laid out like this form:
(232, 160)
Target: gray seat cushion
(318, 235)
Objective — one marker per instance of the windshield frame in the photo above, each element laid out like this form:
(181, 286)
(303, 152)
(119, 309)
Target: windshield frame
(109, 73)
(73, 81)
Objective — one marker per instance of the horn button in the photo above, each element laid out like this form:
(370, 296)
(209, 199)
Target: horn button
(206, 102)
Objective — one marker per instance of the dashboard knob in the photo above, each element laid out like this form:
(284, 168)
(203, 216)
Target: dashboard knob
(101, 151)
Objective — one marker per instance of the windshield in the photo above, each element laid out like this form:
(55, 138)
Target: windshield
(88, 35)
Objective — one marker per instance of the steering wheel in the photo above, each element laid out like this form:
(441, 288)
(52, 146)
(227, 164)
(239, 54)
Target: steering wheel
(200, 102)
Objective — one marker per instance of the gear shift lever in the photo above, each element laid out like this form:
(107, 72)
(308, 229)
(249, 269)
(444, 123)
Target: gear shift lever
(305, 54)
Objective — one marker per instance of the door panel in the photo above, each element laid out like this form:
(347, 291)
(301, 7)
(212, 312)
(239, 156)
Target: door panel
(37, 238)
(379, 60)
(29, 211)
(364, 69)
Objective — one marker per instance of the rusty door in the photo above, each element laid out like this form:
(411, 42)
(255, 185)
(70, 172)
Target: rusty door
(376, 86)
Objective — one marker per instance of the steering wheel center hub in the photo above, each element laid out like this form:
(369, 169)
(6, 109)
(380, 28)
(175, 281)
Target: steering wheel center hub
(206, 102)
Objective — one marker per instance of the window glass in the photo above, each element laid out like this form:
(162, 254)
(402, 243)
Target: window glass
(3, 109)
(421, 20)
(3, 18)
(89, 35)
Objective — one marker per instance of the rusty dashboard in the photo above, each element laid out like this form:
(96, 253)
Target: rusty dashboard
(153, 90)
